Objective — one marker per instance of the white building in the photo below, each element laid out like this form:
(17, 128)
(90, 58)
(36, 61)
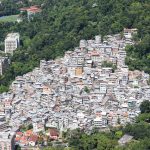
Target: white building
(12, 42)
(6, 141)
(128, 33)
(38, 126)
(103, 88)
(97, 39)
(98, 122)
(83, 43)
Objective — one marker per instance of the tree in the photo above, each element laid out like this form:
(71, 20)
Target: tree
(17, 147)
(145, 117)
(106, 143)
(145, 107)
(118, 134)
(138, 130)
(30, 126)
(3, 88)
(110, 65)
(118, 120)
(86, 89)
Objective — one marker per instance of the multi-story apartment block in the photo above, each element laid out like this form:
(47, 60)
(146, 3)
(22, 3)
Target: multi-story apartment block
(12, 42)
(83, 43)
(98, 39)
(98, 122)
(6, 141)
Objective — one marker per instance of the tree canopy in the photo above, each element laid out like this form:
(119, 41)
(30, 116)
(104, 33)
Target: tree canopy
(145, 107)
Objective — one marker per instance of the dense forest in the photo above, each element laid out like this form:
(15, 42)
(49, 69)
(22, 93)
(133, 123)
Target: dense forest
(62, 23)
(11, 7)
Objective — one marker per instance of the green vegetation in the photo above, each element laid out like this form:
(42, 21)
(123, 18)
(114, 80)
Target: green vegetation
(24, 128)
(109, 64)
(86, 89)
(56, 148)
(145, 107)
(11, 18)
(78, 139)
(7, 7)
(3, 88)
(17, 147)
(101, 141)
(145, 117)
(63, 23)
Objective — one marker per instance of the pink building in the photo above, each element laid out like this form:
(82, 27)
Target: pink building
(6, 141)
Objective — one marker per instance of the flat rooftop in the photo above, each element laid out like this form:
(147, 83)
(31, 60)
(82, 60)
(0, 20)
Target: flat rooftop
(12, 36)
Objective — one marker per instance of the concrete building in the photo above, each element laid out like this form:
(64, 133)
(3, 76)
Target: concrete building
(83, 43)
(78, 71)
(98, 122)
(12, 42)
(128, 33)
(6, 141)
(97, 39)
(31, 11)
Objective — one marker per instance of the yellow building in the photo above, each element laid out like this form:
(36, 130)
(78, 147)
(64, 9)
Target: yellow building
(78, 71)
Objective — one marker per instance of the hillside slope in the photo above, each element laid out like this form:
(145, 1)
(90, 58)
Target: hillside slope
(63, 23)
